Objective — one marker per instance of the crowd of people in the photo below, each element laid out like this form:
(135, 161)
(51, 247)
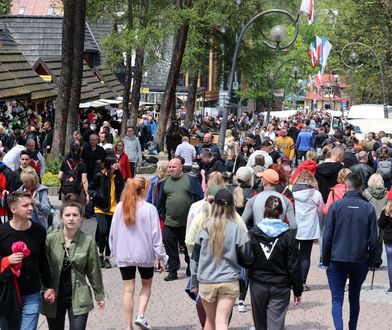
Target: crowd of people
(245, 217)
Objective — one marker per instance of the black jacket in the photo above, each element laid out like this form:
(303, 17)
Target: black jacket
(363, 170)
(283, 268)
(327, 176)
(350, 231)
(217, 164)
(385, 223)
(100, 190)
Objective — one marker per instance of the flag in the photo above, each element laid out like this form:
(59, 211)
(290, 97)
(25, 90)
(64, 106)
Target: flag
(312, 53)
(310, 81)
(319, 49)
(318, 79)
(326, 49)
(307, 7)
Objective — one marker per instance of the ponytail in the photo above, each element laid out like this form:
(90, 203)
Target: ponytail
(238, 197)
(135, 189)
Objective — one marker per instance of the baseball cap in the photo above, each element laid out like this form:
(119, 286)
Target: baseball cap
(224, 197)
(244, 173)
(269, 175)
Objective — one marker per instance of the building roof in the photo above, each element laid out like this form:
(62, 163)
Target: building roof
(329, 79)
(41, 36)
(316, 96)
(31, 7)
(17, 76)
(92, 87)
(110, 80)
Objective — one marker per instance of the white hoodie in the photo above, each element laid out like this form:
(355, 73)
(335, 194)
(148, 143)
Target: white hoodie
(308, 205)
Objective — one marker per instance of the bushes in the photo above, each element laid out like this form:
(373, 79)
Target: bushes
(50, 179)
(53, 165)
(52, 169)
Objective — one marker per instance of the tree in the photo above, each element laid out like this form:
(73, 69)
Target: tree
(68, 99)
(5, 7)
(179, 43)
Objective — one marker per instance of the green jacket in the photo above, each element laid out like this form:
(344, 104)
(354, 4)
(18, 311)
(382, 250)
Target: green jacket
(85, 262)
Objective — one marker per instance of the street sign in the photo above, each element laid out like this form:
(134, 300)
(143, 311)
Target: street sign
(344, 106)
(236, 85)
(344, 100)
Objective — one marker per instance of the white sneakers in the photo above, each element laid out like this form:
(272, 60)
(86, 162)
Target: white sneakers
(242, 307)
(142, 323)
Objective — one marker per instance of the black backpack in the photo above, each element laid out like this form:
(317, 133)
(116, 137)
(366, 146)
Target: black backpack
(70, 183)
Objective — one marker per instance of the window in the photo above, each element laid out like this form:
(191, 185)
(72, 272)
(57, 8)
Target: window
(50, 11)
(22, 10)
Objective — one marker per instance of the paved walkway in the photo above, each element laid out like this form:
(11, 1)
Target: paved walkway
(170, 308)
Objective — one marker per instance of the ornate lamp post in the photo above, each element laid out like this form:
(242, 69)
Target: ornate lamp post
(355, 64)
(278, 35)
(295, 74)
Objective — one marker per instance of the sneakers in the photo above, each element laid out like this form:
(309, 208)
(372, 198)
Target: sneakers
(101, 262)
(321, 266)
(242, 307)
(142, 323)
(389, 291)
(306, 288)
(171, 277)
(107, 264)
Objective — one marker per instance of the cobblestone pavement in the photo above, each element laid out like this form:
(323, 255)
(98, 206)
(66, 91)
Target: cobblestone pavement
(170, 308)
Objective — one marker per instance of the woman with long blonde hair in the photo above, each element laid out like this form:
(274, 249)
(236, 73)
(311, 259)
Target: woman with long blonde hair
(219, 248)
(136, 223)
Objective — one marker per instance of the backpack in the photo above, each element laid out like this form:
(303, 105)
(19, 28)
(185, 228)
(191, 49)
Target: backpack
(384, 168)
(70, 183)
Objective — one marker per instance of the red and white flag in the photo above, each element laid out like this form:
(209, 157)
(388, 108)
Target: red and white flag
(326, 49)
(307, 7)
(318, 79)
(312, 53)
(319, 49)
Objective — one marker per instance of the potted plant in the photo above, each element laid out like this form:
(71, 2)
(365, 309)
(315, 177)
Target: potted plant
(50, 177)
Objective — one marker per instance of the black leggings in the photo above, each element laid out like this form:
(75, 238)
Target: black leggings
(305, 249)
(76, 322)
(104, 222)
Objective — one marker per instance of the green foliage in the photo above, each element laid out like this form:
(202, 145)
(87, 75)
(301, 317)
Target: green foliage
(53, 165)
(50, 179)
(5, 7)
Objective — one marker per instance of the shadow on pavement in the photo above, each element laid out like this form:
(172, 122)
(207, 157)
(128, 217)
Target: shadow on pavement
(307, 326)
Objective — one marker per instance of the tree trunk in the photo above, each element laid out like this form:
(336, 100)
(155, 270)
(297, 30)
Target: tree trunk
(65, 85)
(77, 74)
(137, 84)
(128, 74)
(191, 102)
(179, 43)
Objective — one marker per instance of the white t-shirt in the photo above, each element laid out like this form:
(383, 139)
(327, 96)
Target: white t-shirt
(186, 151)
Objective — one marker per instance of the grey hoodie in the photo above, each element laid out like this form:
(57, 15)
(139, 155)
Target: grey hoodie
(132, 149)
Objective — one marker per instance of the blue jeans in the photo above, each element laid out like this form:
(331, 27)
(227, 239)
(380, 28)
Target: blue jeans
(30, 311)
(388, 250)
(337, 273)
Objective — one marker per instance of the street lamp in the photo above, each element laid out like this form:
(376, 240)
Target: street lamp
(355, 64)
(278, 34)
(296, 73)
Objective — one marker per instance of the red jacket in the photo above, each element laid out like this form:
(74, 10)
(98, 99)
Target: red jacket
(124, 166)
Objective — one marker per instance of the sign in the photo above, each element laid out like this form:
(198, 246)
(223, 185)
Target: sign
(236, 85)
(46, 77)
(344, 106)
(344, 100)
(144, 90)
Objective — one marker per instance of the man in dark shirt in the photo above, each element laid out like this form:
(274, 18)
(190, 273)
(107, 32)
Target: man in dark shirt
(24, 161)
(93, 155)
(47, 137)
(34, 266)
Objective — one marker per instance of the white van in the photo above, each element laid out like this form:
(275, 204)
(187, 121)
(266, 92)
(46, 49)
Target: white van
(368, 111)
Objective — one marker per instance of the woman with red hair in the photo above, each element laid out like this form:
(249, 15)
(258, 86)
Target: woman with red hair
(136, 224)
